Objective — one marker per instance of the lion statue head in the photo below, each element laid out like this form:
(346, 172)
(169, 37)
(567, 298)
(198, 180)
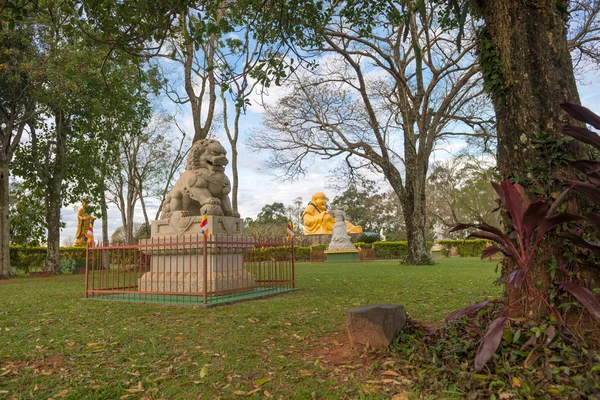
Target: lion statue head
(207, 153)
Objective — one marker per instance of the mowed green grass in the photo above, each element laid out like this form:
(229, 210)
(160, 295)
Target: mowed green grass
(54, 343)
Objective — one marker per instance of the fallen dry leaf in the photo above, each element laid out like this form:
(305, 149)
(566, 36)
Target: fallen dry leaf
(389, 372)
(138, 389)
(62, 393)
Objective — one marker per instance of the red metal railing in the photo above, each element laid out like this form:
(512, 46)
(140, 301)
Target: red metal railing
(189, 269)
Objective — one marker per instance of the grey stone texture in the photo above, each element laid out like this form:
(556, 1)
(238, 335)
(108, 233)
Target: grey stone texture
(375, 325)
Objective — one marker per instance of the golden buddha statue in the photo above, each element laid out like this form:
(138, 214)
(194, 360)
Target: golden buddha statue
(317, 220)
(84, 220)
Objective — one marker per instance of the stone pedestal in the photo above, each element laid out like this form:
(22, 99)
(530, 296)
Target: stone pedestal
(341, 255)
(176, 252)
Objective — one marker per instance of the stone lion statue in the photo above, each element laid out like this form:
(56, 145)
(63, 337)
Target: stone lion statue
(203, 184)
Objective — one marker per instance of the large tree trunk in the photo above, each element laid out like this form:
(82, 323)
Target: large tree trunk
(53, 203)
(5, 269)
(529, 38)
(414, 211)
(54, 180)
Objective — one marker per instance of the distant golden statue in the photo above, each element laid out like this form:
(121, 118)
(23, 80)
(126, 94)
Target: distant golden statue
(84, 220)
(317, 219)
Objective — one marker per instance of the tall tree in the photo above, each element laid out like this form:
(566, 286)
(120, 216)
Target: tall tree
(74, 94)
(237, 63)
(529, 73)
(192, 45)
(19, 84)
(372, 92)
(147, 163)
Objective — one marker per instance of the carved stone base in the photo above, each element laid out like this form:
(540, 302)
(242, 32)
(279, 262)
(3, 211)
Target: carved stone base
(181, 223)
(176, 251)
(193, 282)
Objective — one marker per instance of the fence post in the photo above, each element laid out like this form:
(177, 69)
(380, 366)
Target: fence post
(293, 259)
(204, 267)
(87, 253)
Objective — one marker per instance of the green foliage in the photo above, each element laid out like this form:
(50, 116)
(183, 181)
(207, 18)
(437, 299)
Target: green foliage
(544, 174)
(272, 214)
(372, 211)
(444, 360)
(354, 203)
(26, 215)
(371, 238)
(143, 232)
(28, 259)
(464, 248)
(491, 65)
(459, 190)
(395, 237)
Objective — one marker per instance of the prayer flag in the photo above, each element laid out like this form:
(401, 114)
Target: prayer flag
(290, 231)
(89, 235)
(204, 223)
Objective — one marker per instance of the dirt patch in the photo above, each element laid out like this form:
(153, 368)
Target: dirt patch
(336, 350)
(375, 372)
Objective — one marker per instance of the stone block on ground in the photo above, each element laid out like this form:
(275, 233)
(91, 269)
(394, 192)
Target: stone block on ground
(375, 325)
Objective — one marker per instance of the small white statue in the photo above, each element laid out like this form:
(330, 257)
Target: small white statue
(340, 240)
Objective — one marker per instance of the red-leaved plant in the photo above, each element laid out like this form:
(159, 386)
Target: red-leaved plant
(531, 220)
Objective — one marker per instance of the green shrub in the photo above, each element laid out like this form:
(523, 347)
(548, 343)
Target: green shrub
(395, 237)
(372, 238)
(464, 248)
(28, 259)
(387, 250)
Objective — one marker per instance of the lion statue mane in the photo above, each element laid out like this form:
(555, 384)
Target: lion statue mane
(203, 185)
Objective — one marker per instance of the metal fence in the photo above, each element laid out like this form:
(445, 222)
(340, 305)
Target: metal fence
(366, 254)
(189, 269)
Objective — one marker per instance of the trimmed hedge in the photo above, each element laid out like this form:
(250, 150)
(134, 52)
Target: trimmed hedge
(382, 250)
(464, 248)
(28, 259)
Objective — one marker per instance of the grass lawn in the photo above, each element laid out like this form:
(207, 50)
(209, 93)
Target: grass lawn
(55, 344)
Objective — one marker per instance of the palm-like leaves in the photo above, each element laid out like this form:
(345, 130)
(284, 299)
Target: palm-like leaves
(531, 220)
